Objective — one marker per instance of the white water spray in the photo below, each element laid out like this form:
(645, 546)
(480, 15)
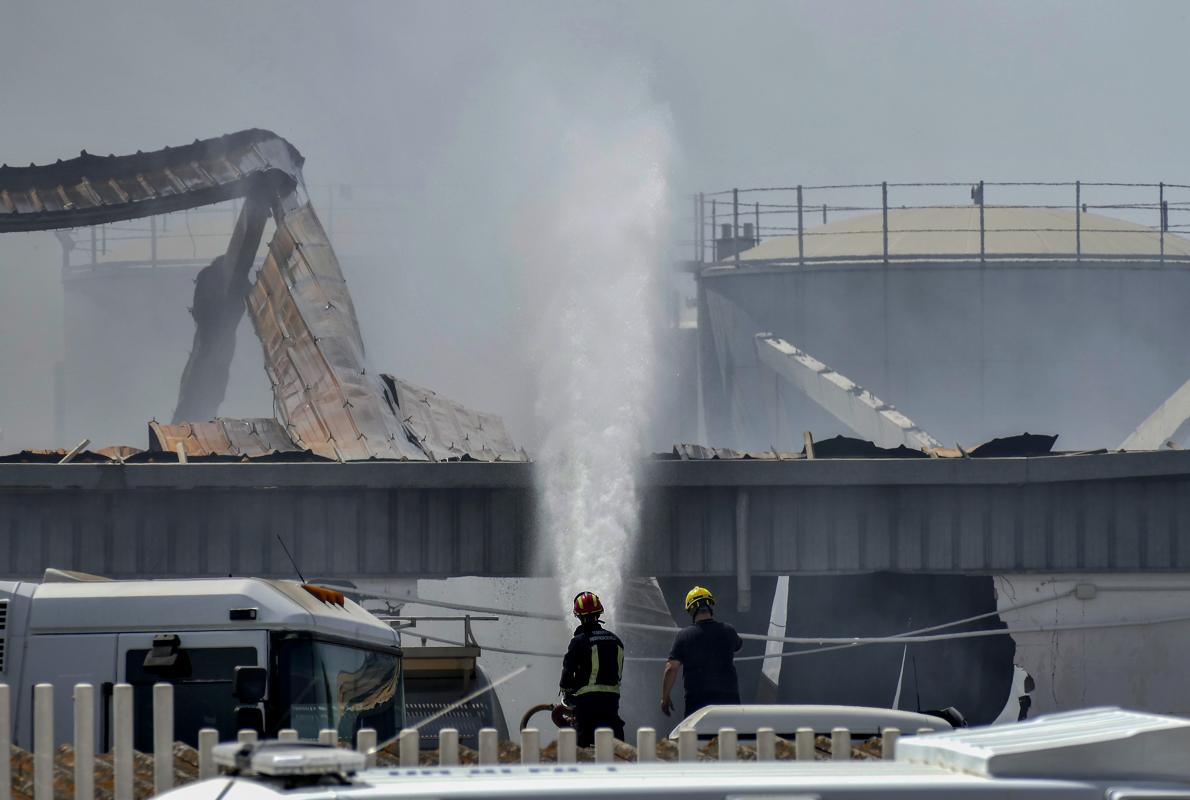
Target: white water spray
(605, 239)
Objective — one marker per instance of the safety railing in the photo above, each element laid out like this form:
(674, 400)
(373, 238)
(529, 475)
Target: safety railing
(729, 222)
(46, 781)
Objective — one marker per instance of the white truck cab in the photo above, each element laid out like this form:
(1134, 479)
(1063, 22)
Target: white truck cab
(327, 663)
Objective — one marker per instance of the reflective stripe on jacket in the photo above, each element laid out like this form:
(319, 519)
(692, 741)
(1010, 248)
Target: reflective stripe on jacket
(594, 661)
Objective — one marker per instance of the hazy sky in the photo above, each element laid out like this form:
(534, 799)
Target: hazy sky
(455, 105)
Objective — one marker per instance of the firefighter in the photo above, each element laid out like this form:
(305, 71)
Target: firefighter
(705, 651)
(591, 672)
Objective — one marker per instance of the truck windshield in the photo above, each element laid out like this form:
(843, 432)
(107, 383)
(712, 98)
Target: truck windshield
(325, 685)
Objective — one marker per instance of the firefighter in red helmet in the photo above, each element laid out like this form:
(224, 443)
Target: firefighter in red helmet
(591, 672)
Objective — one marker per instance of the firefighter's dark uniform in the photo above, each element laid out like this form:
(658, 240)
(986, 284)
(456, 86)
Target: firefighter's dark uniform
(591, 674)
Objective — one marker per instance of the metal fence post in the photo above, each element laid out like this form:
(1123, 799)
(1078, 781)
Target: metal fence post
(448, 747)
(728, 741)
(5, 742)
(605, 746)
(1163, 210)
(884, 216)
(407, 746)
(801, 252)
(207, 739)
(122, 740)
(702, 228)
(365, 742)
(488, 744)
(803, 741)
(756, 235)
(43, 741)
(840, 744)
(646, 744)
(1078, 220)
(735, 225)
(84, 741)
(766, 744)
(163, 737)
(714, 229)
(530, 746)
(982, 249)
(567, 745)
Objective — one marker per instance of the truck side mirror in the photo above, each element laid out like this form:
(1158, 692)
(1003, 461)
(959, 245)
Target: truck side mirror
(249, 684)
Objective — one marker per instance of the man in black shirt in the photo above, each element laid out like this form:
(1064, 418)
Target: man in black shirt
(705, 650)
(591, 672)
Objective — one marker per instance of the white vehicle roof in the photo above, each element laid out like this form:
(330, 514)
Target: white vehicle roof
(1098, 753)
(82, 604)
(785, 719)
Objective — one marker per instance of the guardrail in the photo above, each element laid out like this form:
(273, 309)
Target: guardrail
(767, 746)
(724, 225)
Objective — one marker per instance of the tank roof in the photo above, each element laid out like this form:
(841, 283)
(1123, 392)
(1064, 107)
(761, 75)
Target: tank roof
(955, 231)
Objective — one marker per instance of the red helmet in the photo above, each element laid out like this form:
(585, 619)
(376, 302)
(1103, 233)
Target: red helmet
(586, 603)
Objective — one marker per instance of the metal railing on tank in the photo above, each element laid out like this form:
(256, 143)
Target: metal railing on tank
(728, 223)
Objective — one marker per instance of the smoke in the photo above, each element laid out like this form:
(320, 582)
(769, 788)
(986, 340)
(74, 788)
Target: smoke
(594, 269)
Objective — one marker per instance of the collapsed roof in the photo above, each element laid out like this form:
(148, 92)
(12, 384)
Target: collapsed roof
(326, 398)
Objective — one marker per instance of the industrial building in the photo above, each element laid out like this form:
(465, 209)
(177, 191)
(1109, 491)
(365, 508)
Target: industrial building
(931, 336)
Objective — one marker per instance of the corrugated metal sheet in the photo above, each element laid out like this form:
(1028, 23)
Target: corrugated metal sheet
(449, 431)
(238, 437)
(326, 398)
(92, 190)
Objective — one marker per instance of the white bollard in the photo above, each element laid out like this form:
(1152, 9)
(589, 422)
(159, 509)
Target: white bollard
(365, 742)
(766, 744)
(247, 736)
(5, 743)
(407, 746)
(207, 739)
(488, 743)
(84, 741)
(43, 741)
(924, 731)
(687, 745)
(840, 744)
(448, 747)
(605, 746)
(803, 742)
(328, 736)
(287, 735)
(727, 744)
(567, 746)
(122, 741)
(888, 743)
(530, 746)
(163, 737)
(646, 744)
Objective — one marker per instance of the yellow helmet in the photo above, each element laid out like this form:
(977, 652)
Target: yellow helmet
(699, 597)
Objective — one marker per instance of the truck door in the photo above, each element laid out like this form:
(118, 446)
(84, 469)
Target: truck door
(201, 673)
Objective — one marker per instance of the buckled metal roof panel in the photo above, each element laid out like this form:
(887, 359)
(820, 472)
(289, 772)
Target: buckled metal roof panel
(447, 430)
(239, 437)
(92, 190)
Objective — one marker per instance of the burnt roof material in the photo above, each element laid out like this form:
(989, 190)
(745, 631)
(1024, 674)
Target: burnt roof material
(449, 431)
(94, 190)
